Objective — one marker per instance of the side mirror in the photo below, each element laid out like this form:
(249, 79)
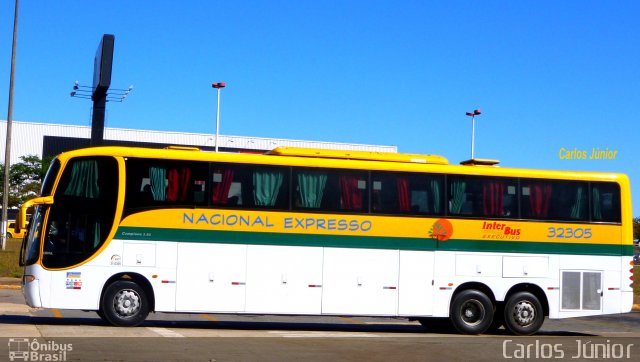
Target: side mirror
(21, 219)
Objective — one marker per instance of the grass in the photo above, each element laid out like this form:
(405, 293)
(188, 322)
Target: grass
(9, 259)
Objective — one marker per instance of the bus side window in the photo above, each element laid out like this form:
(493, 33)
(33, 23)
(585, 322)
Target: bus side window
(406, 193)
(249, 186)
(157, 183)
(223, 179)
(571, 201)
(484, 197)
(309, 188)
(331, 190)
(605, 202)
(554, 200)
(270, 187)
(536, 197)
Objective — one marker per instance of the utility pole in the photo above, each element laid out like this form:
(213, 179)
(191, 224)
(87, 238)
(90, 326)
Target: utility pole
(7, 150)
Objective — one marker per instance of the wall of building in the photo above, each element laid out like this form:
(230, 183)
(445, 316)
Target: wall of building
(42, 139)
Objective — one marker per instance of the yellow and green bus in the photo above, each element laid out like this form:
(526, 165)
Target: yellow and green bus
(128, 231)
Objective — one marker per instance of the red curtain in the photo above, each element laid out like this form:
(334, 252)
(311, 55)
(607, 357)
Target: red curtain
(539, 197)
(493, 198)
(352, 196)
(178, 184)
(404, 202)
(220, 190)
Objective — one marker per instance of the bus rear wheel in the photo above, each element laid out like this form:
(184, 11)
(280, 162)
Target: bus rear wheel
(124, 304)
(471, 312)
(523, 314)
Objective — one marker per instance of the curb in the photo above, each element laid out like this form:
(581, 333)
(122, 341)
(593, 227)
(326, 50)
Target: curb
(10, 286)
(10, 283)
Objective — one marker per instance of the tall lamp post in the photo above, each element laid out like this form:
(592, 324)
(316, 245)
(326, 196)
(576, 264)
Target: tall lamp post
(473, 128)
(218, 86)
(7, 150)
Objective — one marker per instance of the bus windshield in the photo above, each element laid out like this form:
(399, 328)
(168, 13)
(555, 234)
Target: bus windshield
(83, 212)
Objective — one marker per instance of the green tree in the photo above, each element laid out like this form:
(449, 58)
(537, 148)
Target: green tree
(636, 228)
(25, 179)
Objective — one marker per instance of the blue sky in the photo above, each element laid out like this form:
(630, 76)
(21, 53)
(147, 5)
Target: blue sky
(546, 74)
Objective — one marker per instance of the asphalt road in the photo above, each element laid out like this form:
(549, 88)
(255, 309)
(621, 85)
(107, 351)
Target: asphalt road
(52, 334)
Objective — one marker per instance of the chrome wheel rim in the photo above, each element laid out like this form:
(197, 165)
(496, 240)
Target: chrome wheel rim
(524, 313)
(127, 303)
(472, 312)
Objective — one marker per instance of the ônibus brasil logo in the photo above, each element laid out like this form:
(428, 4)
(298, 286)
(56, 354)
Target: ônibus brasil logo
(441, 230)
(25, 350)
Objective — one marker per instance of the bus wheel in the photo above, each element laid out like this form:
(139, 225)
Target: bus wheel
(124, 304)
(471, 312)
(523, 314)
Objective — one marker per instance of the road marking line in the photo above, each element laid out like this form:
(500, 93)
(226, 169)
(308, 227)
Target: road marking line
(394, 323)
(56, 313)
(314, 334)
(165, 332)
(351, 320)
(209, 317)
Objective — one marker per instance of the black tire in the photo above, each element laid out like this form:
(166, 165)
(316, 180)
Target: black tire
(9, 236)
(124, 304)
(471, 312)
(523, 314)
(101, 315)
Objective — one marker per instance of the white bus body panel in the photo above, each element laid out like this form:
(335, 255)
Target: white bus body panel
(211, 277)
(360, 281)
(284, 279)
(220, 278)
(416, 283)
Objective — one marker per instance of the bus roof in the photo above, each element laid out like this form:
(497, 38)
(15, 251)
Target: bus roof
(302, 157)
(358, 155)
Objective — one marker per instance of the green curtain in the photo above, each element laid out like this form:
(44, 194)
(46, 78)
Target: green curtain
(311, 188)
(266, 186)
(158, 176)
(84, 180)
(435, 196)
(577, 211)
(457, 192)
(596, 202)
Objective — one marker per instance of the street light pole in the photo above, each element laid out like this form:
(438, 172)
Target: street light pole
(218, 86)
(7, 150)
(473, 128)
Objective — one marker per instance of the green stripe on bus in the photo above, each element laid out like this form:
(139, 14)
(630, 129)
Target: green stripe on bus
(367, 242)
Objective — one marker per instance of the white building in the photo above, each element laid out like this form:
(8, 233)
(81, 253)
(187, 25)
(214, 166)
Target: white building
(48, 139)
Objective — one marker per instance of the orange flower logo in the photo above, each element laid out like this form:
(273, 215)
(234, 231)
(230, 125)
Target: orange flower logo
(441, 230)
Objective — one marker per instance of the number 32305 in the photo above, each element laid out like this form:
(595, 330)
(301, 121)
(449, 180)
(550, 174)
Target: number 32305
(569, 233)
